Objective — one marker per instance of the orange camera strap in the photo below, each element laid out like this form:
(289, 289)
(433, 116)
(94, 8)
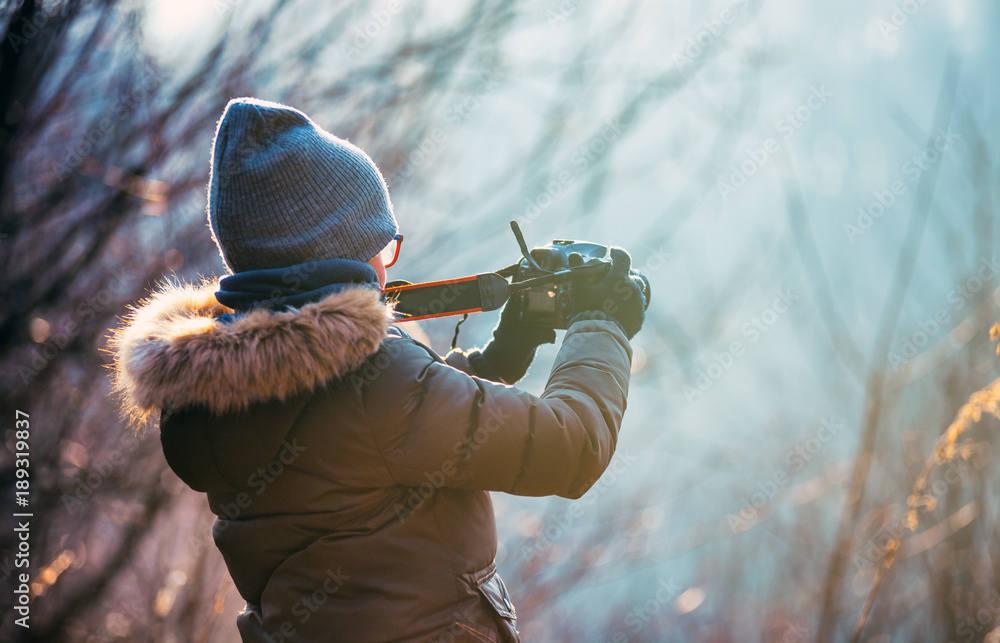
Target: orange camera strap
(488, 291)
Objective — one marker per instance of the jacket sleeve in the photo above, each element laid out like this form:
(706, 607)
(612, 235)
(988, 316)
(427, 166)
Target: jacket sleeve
(435, 424)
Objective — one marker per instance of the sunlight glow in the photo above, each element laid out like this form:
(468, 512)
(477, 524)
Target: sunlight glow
(173, 25)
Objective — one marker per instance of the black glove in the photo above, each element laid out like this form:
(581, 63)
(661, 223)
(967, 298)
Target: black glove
(616, 294)
(510, 352)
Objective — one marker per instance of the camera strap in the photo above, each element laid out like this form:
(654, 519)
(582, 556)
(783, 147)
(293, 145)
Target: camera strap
(478, 293)
(475, 294)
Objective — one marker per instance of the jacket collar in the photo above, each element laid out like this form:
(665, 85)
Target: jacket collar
(174, 352)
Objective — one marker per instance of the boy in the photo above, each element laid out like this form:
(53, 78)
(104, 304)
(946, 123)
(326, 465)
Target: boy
(349, 465)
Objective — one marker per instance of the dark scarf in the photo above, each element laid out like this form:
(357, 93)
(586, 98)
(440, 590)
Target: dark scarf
(293, 286)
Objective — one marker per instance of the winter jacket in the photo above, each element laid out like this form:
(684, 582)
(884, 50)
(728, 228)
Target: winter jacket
(349, 465)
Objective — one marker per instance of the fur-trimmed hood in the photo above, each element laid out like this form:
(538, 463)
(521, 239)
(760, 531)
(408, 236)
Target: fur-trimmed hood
(173, 351)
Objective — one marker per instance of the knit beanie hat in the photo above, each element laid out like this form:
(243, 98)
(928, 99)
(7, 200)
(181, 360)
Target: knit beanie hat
(284, 191)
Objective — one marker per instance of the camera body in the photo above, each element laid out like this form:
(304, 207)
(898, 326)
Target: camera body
(550, 305)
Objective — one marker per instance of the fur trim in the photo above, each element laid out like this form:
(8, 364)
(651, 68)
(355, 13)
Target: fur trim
(172, 352)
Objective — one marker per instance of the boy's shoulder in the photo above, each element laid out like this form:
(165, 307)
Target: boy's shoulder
(399, 347)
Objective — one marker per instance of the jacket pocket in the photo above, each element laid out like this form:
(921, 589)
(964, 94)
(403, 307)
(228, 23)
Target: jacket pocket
(492, 588)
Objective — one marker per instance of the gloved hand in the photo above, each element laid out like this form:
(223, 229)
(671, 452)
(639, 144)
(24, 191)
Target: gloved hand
(616, 294)
(512, 348)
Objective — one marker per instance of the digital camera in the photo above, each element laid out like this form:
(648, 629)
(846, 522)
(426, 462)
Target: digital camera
(541, 284)
(550, 304)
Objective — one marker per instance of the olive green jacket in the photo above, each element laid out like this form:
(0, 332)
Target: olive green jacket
(349, 465)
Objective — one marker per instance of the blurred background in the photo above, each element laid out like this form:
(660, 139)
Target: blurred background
(810, 187)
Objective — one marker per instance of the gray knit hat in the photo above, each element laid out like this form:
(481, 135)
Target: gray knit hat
(285, 191)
